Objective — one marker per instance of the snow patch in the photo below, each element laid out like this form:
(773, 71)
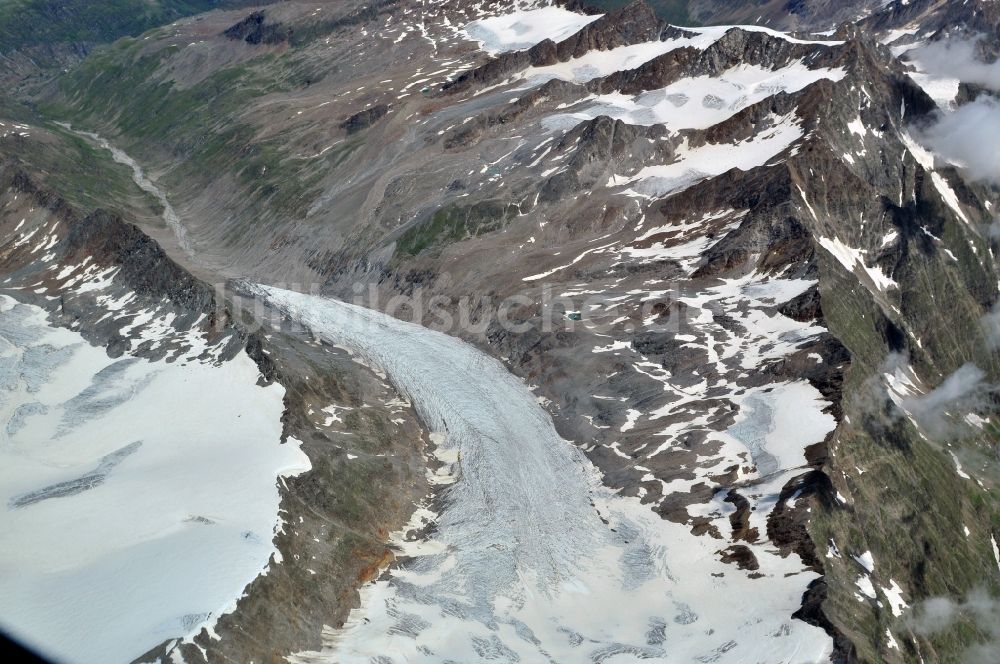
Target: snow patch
(524, 28)
(853, 260)
(695, 164)
(703, 101)
(125, 525)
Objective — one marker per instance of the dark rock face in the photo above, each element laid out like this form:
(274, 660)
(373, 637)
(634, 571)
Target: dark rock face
(939, 19)
(143, 270)
(633, 24)
(970, 92)
(579, 6)
(807, 306)
(254, 29)
(110, 240)
(741, 556)
(364, 119)
(144, 265)
(844, 652)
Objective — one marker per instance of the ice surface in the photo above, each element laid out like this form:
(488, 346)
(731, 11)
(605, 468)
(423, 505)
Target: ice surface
(942, 89)
(703, 101)
(866, 560)
(894, 595)
(124, 520)
(532, 558)
(524, 28)
(949, 196)
(683, 242)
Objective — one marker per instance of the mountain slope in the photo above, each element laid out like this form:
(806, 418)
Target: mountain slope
(37, 36)
(718, 256)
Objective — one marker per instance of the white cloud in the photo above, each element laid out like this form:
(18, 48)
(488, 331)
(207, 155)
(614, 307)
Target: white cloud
(957, 59)
(967, 138)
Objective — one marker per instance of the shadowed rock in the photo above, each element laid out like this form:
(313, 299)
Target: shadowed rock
(255, 30)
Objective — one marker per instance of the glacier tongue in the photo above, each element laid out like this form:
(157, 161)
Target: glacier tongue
(531, 558)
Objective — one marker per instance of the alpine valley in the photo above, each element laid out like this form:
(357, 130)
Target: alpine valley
(390, 331)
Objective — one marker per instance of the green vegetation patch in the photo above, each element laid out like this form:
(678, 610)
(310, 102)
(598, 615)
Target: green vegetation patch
(909, 506)
(85, 176)
(25, 23)
(120, 91)
(455, 223)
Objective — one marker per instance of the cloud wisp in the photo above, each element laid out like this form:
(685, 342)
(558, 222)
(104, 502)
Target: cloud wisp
(958, 59)
(964, 137)
(979, 608)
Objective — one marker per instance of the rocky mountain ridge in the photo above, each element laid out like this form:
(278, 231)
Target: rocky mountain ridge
(767, 267)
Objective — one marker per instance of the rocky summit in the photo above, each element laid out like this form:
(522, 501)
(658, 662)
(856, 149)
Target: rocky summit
(385, 331)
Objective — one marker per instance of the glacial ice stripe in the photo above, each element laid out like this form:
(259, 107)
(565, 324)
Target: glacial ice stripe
(531, 558)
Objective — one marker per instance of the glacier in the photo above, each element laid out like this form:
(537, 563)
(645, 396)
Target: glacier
(525, 555)
(137, 498)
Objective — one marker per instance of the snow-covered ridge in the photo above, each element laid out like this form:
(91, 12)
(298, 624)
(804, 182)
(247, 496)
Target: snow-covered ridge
(715, 97)
(692, 102)
(523, 28)
(531, 556)
(520, 29)
(695, 164)
(595, 64)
